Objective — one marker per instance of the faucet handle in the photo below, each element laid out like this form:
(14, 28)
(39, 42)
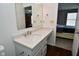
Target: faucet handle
(25, 34)
(28, 32)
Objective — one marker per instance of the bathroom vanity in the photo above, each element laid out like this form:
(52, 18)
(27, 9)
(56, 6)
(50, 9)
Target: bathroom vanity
(34, 44)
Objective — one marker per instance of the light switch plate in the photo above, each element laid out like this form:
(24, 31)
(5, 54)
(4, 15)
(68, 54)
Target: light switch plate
(51, 21)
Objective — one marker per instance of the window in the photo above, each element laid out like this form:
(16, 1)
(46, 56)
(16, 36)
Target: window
(71, 19)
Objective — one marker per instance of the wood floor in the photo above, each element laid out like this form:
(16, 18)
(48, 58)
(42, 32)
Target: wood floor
(56, 51)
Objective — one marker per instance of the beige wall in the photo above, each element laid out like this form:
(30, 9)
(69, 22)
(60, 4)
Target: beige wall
(50, 18)
(50, 9)
(37, 15)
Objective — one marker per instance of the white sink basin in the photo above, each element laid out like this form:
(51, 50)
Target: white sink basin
(29, 41)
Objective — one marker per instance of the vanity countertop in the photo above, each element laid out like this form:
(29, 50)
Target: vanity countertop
(35, 38)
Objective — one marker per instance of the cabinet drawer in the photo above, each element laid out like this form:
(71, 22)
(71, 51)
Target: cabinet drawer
(20, 50)
(22, 53)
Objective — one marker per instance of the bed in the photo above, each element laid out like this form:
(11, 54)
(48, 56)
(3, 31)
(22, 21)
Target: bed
(65, 31)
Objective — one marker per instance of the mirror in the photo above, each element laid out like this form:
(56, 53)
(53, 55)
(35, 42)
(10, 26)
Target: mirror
(23, 15)
(28, 15)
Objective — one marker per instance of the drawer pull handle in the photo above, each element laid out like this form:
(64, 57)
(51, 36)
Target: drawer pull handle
(46, 14)
(21, 53)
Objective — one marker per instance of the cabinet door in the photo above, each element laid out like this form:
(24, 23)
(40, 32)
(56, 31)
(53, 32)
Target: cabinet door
(44, 50)
(51, 40)
(36, 15)
(39, 53)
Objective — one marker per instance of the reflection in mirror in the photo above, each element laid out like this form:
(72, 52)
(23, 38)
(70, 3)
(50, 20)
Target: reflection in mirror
(28, 14)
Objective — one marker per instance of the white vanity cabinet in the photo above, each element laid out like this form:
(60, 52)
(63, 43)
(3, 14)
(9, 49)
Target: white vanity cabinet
(39, 50)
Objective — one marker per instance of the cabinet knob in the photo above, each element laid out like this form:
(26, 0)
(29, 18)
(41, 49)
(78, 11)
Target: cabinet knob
(46, 14)
(21, 53)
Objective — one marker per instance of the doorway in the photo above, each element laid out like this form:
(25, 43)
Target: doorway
(66, 21)
(28, 14)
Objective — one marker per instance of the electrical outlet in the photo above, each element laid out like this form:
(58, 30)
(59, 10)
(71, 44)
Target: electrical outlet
(51, 21)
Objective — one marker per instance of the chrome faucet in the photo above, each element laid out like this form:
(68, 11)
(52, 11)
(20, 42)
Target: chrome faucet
(28, 32)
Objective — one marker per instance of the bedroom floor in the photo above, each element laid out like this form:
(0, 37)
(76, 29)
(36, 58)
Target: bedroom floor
(64, 43)
(56, 51)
